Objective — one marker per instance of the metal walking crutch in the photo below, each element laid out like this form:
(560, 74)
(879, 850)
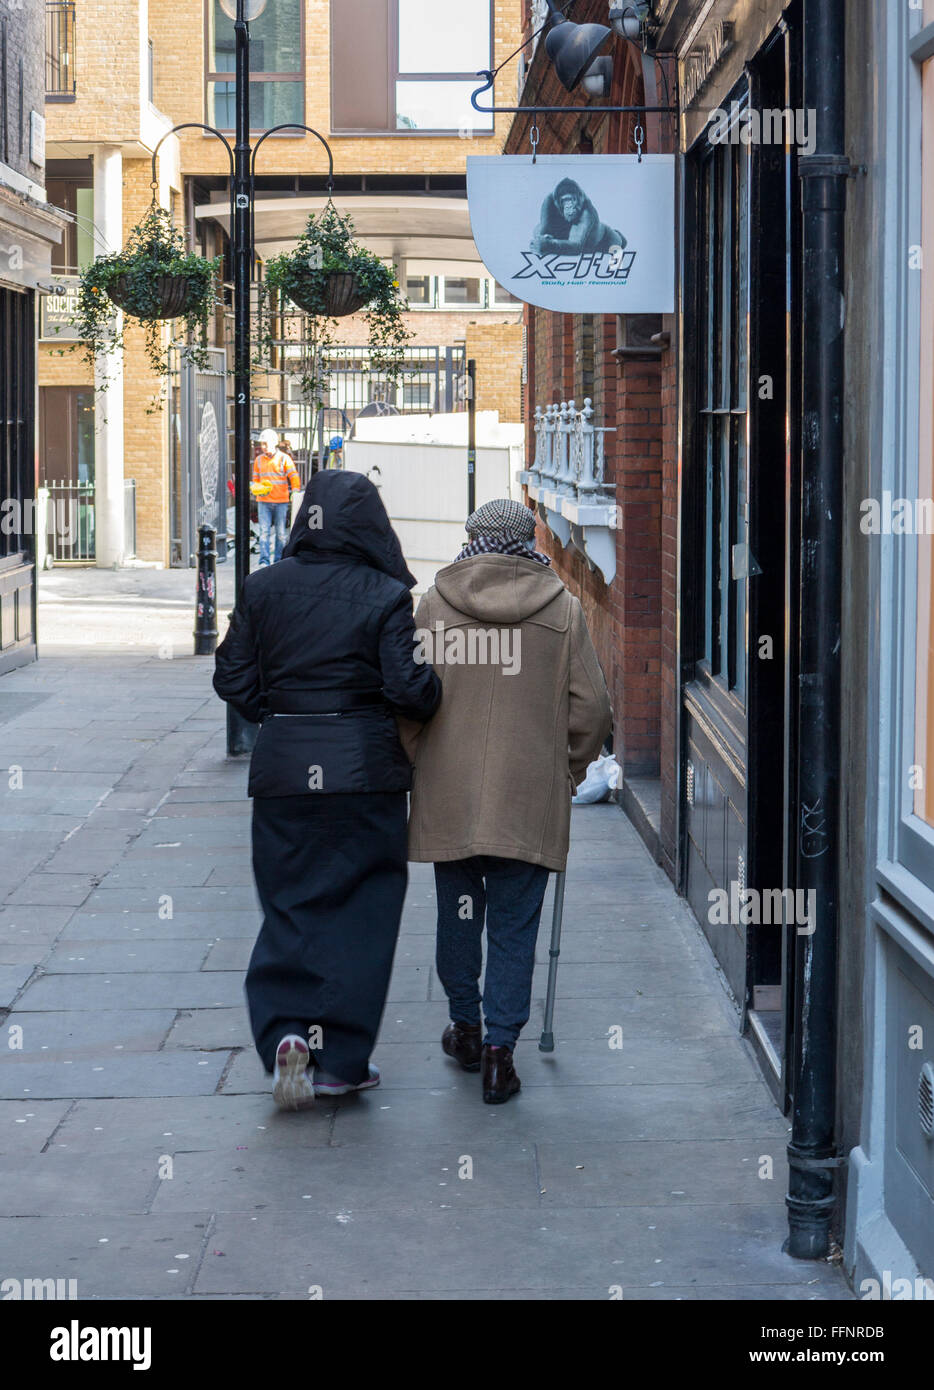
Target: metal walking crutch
(546, 1042)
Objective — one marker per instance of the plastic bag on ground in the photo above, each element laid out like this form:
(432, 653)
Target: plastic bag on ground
(603, 777)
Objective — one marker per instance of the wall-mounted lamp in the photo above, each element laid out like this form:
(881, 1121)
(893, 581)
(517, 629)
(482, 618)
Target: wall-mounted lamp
(598, 79)
(572, 48)
(629, 20)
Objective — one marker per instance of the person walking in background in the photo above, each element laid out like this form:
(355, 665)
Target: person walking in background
(275, 478)
(321, 652)
(525, 709)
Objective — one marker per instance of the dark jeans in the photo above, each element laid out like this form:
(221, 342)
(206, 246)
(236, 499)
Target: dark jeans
(509, 894)
(273, 516)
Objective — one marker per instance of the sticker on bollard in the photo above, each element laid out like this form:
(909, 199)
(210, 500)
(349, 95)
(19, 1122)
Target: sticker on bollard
(206, 598)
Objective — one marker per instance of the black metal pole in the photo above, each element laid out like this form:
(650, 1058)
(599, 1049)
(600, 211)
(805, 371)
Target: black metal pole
(206, 604)
(471, 436)
(241, 735)
(811, 1152)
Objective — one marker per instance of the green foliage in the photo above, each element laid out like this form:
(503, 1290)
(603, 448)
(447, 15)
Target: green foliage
(155, 248)
(327, 247)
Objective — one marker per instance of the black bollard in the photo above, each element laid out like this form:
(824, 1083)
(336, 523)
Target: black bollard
(206, 606)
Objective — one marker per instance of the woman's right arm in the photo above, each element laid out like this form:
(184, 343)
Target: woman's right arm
(237, 677)
(410, 686)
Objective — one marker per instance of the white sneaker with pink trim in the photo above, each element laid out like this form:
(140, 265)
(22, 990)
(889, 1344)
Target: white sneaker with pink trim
(328, 1085)
(292, 1087)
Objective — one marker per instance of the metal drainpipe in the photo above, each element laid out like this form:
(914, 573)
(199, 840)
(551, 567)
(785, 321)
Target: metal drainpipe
(812, 1150)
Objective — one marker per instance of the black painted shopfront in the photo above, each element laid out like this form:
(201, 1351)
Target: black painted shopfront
(739, 432)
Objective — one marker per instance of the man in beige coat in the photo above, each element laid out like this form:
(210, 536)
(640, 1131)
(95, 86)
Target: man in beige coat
(524, 710)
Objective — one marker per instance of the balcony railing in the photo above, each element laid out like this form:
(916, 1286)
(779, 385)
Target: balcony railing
(60, 49)
(566, 480)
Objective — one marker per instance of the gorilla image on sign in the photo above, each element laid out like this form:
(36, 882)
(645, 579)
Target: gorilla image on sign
(570, 222)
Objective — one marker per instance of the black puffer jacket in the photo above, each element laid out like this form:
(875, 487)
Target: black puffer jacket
(321, 650)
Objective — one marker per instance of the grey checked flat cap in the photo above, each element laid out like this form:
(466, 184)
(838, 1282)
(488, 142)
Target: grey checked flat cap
(502, 517)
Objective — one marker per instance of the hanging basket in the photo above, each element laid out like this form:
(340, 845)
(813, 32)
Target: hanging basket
(171, 293)
(336, 291)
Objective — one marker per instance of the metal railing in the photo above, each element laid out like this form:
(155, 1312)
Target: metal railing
(569, 450)
(70, 522)
(60, 48)
(129, 519)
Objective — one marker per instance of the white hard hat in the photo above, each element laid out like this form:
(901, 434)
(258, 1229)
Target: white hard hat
(271, 440)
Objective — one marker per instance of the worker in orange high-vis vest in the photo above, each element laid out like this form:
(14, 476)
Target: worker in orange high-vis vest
(275, 478)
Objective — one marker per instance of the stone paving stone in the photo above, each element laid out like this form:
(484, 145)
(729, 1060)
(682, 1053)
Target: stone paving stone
(100, 1251)
(230, 954)
(54, 890)
(674, 1016)
(27, 1125)
(155, 877)
(176, 807)
(154, 990)
(577, 981)
(235, 875)
(90, 956)
(12, 979)
(122, 924)
(444, 1250)
(558, 1113)
(207, 1029)
(415, 950)
(409, 982)
(117, 1074)
(644, 1173)
(92, 1034)
(61, 1184)
(184, 899)
(223, 1125)
(422, 1178)
(610, 946)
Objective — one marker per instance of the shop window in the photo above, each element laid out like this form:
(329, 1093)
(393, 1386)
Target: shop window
(723, 351)
(397, 66)
(277, 83)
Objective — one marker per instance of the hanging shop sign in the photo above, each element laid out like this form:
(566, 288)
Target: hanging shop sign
(578, 234)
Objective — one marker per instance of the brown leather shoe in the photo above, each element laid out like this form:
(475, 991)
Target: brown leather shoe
(499, 1075)
(462, 1042)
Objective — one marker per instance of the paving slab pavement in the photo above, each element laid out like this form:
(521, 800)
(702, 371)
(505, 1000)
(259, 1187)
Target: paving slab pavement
(140, 1152)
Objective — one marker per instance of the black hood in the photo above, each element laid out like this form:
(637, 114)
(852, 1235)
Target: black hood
(350, 520)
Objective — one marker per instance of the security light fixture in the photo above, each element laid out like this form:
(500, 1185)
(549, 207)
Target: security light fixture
(598, 78)
(252, 9)
(628, 20)
(572, 48)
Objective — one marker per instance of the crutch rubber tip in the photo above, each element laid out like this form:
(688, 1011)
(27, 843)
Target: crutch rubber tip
(546, 1042)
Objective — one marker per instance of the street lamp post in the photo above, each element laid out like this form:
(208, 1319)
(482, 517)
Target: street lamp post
(241, 735)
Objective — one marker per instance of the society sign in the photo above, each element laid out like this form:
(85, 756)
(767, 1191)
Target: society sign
(587, 234)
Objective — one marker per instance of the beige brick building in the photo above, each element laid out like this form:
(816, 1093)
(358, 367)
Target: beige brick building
(387, 84)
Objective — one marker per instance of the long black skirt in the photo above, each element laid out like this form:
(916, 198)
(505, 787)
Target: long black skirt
(331, 874)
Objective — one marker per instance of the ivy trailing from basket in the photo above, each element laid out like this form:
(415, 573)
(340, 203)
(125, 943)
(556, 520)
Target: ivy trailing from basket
(153, 279)
(327, 276)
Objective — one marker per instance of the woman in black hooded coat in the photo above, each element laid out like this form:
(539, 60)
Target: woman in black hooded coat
(321, 652)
